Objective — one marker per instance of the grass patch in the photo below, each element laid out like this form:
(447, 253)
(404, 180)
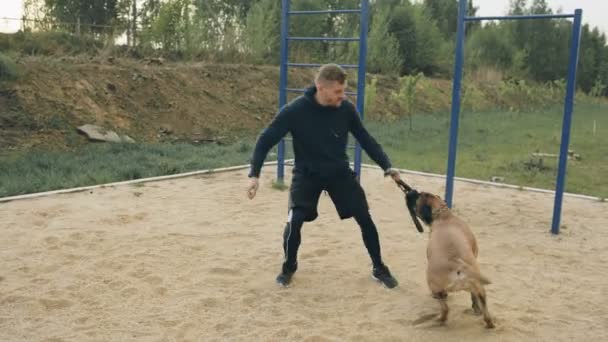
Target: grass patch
(490, 144)
(37, 171)
(8, 68)
(47, 43)
(501, 144)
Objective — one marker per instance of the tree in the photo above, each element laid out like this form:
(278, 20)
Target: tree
(591, 73)
(490, 47)
(418, 37)
(405, 97)
(428, 42)
(383, 48)
(402, 26)
(168, 28)
(546, 43)
(541, 45)
(262, 31)
(127, 12)
(34, 14)
(445, 13)
(220, 22)
(84, 15)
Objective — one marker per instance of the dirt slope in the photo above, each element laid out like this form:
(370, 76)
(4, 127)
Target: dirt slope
(194, 101)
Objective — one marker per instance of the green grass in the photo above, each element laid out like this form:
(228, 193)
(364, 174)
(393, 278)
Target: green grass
(8, 68)
(501, 144)
(490, 144)
(38, 171)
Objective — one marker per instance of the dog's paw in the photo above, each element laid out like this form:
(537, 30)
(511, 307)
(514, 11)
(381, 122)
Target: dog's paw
(489, 322)
(424, 318)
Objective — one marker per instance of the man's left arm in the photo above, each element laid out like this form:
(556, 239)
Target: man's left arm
(368, 143)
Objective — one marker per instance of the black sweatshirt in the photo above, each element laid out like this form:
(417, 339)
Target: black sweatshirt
(320, 137)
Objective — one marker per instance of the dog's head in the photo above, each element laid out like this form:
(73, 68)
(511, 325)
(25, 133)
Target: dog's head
(426, 206)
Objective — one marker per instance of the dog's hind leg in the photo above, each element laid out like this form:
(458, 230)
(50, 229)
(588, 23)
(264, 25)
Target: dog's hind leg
(475, 304)
(484, 308)
(443, 301)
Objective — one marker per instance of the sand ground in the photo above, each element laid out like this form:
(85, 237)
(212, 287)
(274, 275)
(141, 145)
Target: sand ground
(192, 259)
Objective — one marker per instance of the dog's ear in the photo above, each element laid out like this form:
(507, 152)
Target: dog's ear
(426, 211)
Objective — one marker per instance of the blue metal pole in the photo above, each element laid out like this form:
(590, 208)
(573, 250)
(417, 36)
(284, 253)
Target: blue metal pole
(326, 39)
(363, 26)
(521, 17)
(326, 12)
(460, 30)
(316, 65)
(283, 85)
(568, 107)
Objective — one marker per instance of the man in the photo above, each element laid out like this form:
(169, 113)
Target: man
(319, 122)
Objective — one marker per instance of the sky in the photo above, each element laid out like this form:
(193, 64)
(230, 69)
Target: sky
(594, 11)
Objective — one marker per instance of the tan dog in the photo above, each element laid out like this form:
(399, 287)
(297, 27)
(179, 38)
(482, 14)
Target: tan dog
(452, 256)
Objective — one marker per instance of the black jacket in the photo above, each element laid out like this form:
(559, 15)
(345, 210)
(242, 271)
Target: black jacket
(320, 137)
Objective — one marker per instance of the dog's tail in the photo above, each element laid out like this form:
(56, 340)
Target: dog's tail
(472, 273)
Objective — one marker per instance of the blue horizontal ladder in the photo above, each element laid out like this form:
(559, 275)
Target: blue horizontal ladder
(363, 12)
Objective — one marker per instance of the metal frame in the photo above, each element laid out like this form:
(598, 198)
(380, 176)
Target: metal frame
(283, 89)
(568, 101)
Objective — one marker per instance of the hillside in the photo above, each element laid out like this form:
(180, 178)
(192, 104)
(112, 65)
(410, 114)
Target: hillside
(146, 98)
(155, 100)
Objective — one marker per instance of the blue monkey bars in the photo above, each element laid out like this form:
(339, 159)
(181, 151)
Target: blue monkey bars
(568, 102)
(363, 11)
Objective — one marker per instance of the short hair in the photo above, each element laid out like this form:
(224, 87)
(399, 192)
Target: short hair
(331, 72)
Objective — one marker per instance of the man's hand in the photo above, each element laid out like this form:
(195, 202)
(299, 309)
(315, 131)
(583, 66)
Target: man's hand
(394, 173)
(254, 183)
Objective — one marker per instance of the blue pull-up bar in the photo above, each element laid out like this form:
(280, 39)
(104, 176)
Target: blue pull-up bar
(301, 90)
(316, 65)
(521, 17)
(325, 12)
(334, 39)
(568, 101)
(283, 89)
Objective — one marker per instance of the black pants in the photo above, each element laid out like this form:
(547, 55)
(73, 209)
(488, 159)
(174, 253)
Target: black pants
(350, 201)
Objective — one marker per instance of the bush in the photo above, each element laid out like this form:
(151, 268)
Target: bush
(57, 43)
(8, 68)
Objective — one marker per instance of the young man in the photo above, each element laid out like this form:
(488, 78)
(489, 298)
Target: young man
(319, 122)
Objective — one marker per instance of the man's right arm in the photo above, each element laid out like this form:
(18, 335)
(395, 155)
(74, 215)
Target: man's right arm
(270, 136)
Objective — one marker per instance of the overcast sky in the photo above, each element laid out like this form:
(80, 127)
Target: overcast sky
(595, 12)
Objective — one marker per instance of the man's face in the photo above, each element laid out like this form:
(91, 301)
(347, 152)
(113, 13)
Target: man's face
(331, 93)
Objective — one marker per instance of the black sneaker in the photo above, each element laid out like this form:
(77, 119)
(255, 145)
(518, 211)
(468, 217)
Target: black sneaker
(284, 278)
(383, 275)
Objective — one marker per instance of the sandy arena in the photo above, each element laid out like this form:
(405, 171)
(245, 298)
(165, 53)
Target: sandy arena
(192, 259)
